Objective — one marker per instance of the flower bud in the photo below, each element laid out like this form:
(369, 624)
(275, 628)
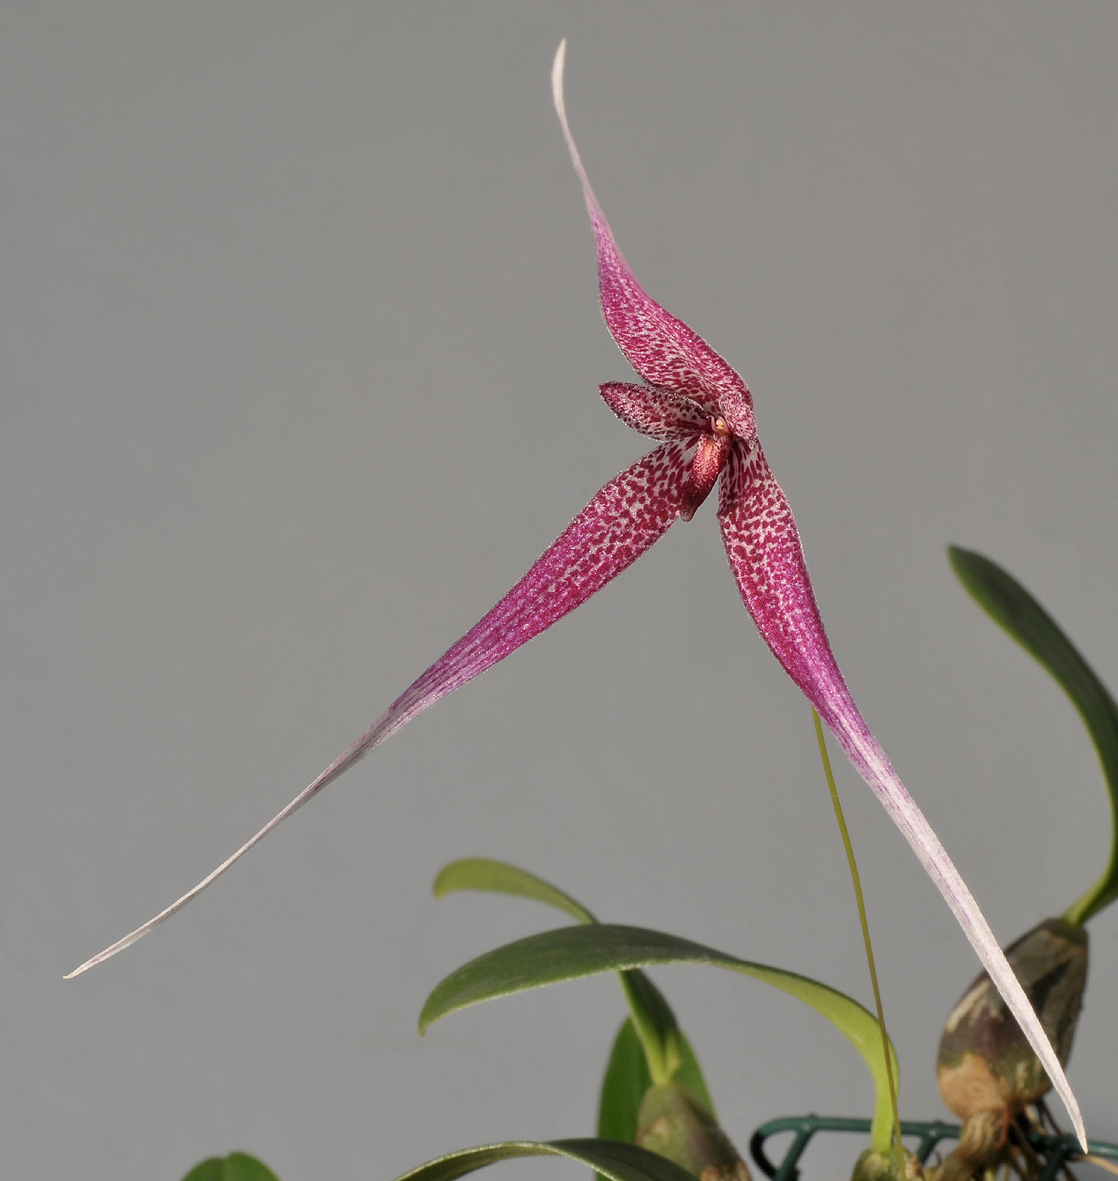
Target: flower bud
(674, 1122)
(984, 1062)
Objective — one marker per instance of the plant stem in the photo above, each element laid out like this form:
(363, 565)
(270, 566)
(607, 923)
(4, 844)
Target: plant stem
(856, 879)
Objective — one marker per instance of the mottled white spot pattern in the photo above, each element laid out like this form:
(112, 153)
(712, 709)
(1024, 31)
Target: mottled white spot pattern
(662, 349)
(658, 413)
(764, 549)
(631, 512)
(763, 545)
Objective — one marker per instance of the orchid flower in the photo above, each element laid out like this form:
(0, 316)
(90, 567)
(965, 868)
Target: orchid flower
(701, 414)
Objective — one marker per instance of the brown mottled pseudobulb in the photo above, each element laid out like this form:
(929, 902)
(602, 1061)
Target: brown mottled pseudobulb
(675, 1123)
(885, 1166)
(986, 1071)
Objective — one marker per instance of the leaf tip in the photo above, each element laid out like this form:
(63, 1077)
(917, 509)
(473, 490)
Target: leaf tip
(958, 558)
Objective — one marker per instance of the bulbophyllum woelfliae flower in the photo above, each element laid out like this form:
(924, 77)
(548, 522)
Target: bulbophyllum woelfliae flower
(700, 412)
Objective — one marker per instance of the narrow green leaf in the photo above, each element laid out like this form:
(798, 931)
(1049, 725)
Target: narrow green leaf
(573, 952)
(627, 1078)
(237, 1166)
(610, 1159)
(653, 1019)
(479, 873)
(691, 1074)
(623, 1087)
(1011, 606)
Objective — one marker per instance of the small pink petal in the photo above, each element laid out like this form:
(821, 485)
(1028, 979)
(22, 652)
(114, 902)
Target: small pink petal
(630, 513)
(662, 349)
(763, 545)
(660, 414)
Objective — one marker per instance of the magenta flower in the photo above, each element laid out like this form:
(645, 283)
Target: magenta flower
(701, 413)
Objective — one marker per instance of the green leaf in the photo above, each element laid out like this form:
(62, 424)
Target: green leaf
(627, 1078)
(612, 1160)
(479, 873)
(691, 1074)
(573, 952)
(212, 1169)
(237, 1166)
(1011, 606)
(652, 1016)
(623, 1087)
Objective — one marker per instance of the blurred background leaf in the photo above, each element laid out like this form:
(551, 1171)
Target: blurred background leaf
(1015, 610)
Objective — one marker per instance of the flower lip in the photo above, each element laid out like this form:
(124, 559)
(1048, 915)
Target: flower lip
(710, 456)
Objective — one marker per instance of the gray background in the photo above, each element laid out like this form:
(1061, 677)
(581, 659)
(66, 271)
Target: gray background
(300, 350)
